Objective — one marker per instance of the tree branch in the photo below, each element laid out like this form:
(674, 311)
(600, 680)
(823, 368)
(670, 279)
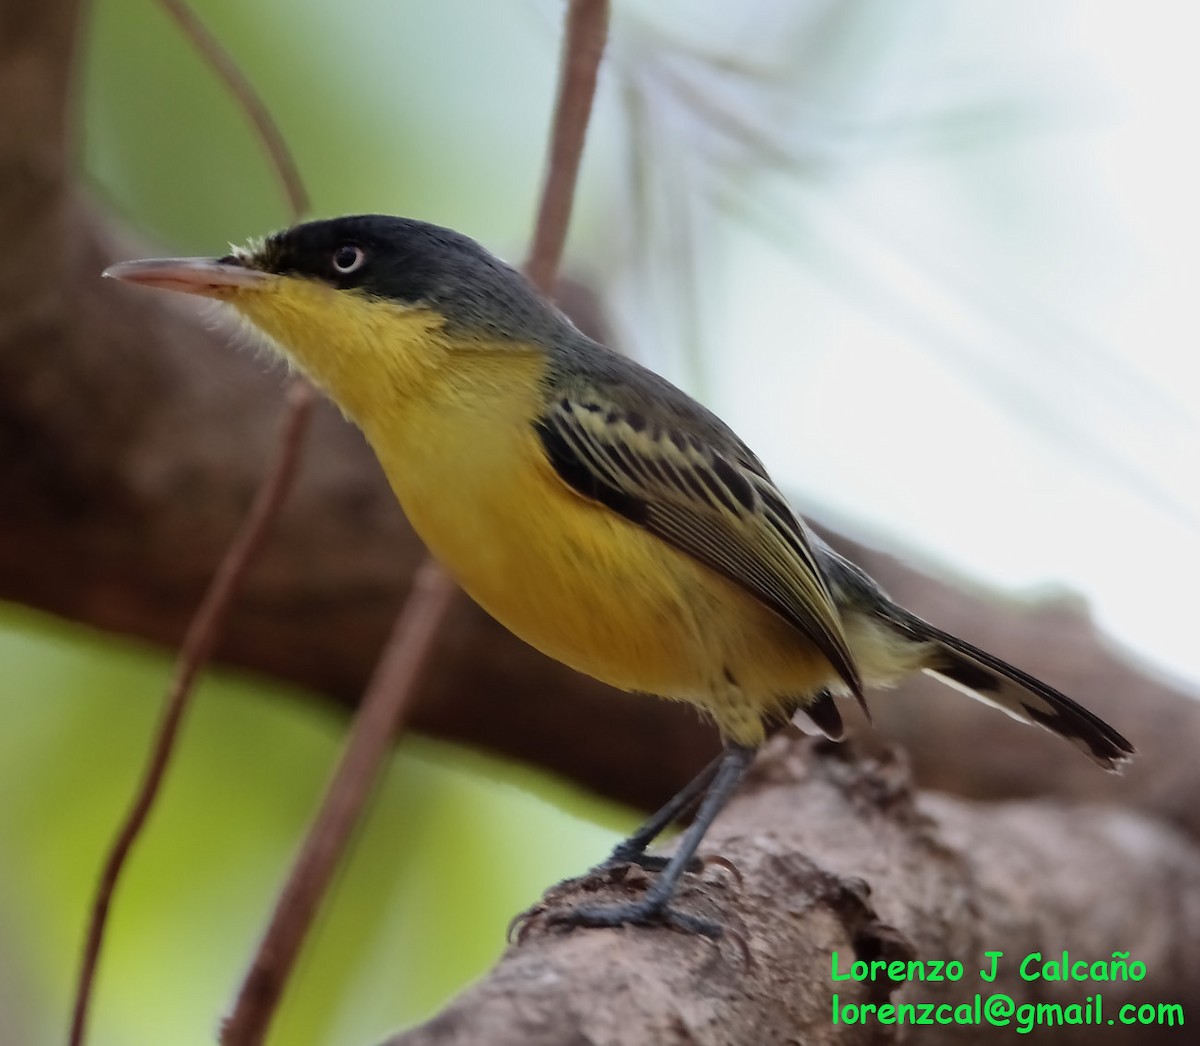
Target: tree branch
(414, 637)
(365, 753)
(583, 45)
(193, 656)
(835, 853)
(205, 626)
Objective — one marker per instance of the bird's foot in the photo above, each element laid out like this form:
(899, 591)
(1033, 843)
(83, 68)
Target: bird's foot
(646, 912)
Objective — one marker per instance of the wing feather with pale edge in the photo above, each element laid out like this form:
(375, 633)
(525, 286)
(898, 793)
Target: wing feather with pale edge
(719, 508)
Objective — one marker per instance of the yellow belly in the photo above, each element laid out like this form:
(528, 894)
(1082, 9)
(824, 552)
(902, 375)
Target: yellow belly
(589, 588)
(450, 418)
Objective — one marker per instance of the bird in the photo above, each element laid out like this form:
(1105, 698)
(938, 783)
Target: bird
(592, 507)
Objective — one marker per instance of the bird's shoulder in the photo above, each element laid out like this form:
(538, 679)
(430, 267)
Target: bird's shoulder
(613, 391)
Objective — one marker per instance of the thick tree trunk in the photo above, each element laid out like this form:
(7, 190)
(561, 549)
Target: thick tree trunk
(839, 862)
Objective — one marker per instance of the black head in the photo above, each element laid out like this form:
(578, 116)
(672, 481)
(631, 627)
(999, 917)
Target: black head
(412, 263)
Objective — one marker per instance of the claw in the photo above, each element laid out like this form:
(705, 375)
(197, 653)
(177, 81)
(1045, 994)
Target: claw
(717, 861)
(519, 923)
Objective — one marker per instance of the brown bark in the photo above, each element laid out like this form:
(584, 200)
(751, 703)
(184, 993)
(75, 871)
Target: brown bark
(836, 853)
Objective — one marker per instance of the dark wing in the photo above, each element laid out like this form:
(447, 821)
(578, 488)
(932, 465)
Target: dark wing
(715, 504)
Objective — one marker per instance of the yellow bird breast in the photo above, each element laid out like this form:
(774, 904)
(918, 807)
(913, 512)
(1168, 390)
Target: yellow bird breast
(574, 579)
(451, 420)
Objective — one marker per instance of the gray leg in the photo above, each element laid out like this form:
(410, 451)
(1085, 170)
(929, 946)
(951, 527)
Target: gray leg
(633, 849)
(654, 905)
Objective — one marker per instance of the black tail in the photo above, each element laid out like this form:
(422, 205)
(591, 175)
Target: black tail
(986, 678)
(975, 672)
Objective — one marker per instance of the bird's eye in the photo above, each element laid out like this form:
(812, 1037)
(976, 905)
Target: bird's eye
(347, 258)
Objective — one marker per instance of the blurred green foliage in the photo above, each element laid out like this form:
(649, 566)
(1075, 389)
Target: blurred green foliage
(387, 107)
(437, 110)
(456, 844)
